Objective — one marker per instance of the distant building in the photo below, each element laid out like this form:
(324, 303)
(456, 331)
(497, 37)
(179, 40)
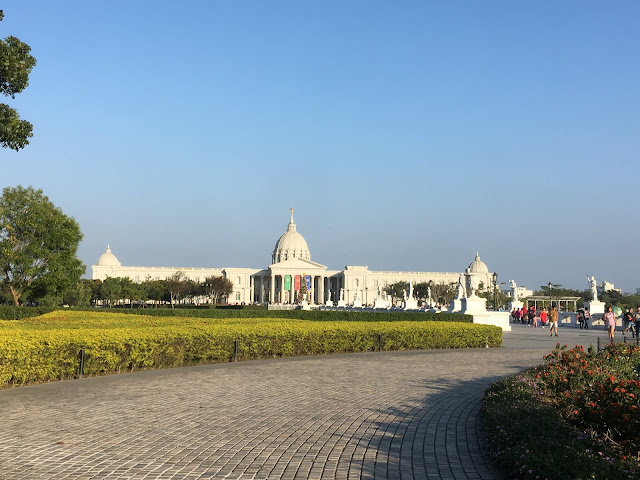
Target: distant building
(608, 287)
(291, 265)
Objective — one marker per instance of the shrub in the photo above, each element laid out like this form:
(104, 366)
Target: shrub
(575, 416)
(47, 348)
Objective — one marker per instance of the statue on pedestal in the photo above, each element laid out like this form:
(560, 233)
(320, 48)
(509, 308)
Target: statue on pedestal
(514, 290)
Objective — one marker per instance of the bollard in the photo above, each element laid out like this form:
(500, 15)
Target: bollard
(625, 339)
(379, 342)
(235, 351)
(598, 345)
(81, 363)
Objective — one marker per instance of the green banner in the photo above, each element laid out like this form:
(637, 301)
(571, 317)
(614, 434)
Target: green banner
(287, 282)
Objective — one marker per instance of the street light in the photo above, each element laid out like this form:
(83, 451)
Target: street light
(550, 299)
(495, 291)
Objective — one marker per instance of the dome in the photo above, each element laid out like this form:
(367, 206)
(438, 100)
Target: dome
(290, 245)
(477, 266)
(108, 259)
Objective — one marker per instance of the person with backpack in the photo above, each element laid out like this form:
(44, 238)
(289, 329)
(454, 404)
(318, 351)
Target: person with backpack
(627, 321)
(587, 316)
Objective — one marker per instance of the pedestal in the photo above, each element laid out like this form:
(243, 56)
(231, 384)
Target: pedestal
(380, 304)
(410, 304)
(516, 304)
(357, 303)
(455, 305)
(341, 303)
(474, 304)
(595, 307)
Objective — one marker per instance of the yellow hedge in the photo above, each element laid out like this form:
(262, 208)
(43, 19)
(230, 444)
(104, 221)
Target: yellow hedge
(48, 348)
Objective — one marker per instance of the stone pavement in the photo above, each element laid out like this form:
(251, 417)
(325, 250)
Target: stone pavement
(398, 415)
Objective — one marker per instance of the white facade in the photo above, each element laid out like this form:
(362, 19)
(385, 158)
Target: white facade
(291, 265)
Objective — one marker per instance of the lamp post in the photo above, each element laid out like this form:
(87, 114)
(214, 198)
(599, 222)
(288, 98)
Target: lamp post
(495, 291)
(366, 297)
(550, 285)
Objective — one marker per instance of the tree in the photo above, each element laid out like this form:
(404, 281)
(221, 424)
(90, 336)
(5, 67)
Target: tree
(177, 286)
(396, 290)
(80, 294)
(38, 245)
(111, 290)
(15, 66)
(217, 287)
(157, 290)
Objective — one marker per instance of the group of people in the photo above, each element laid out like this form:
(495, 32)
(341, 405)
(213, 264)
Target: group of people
(630, 321)
(529, 316)
(532, 318)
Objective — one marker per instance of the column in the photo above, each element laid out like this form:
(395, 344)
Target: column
(312, 285)
(281, 299)
(321, 290)
(251, 289)
(261, 299)
(272, 289)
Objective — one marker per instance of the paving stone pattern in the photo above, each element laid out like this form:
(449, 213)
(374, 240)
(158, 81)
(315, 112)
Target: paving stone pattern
(398, 415)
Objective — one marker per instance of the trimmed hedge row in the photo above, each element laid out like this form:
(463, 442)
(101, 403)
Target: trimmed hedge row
(9, 312)
(37, 355)
(311, 315)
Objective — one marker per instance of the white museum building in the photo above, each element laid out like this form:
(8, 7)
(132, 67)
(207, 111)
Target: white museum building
(291, 265)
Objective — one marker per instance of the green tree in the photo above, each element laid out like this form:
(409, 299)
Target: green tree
(38, 245)
(177, 286)
(111, 290)
(80, 294)
(216, 287)
(157, 291)
(396, 290)
(15, 66)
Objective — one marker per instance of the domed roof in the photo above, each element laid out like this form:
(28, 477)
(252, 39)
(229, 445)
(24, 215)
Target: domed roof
(108, 259)
(477, 266)
(290, 245)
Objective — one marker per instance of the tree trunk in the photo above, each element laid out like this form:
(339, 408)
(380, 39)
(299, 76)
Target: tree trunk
(15, 295)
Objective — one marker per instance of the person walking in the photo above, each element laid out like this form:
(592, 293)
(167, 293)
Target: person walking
(587, 316)
(610, 322)
(553, 318)
(627, 321)
(543, 317)
(637, 323)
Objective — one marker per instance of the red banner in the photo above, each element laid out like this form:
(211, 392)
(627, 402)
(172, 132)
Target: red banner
(297, 282)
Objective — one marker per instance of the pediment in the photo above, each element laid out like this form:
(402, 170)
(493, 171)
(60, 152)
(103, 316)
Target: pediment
(297, 264)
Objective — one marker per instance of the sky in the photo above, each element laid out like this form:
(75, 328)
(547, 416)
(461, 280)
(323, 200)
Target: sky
(407, 135)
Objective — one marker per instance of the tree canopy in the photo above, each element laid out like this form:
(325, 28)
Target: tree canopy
(38, 245)
(16, 64)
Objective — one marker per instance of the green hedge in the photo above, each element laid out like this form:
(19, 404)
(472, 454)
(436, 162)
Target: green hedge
(311, 315)
(8, 312)
(29, 355)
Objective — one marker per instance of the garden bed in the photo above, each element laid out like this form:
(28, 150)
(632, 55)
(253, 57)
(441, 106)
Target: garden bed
(576, 416)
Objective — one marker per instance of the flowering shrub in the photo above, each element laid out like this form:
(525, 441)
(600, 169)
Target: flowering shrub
(575, 416)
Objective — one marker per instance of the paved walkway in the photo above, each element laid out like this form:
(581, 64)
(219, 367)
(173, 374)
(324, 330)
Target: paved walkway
(398, 415)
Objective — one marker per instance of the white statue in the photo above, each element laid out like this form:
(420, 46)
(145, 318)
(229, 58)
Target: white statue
(355, 296)
(379, 291)
(460, 293)
(592, 286)
(514, 290)
(429, 295)
(470, 286)
(410, 289)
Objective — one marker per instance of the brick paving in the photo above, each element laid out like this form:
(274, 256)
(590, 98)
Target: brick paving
(398, 415)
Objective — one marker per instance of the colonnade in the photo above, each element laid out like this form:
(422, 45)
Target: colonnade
(271, 288)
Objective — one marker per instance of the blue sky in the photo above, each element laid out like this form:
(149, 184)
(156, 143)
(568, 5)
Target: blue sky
(406, 135)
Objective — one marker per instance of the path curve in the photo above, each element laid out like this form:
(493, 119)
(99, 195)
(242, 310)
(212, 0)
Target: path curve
(399, 415)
